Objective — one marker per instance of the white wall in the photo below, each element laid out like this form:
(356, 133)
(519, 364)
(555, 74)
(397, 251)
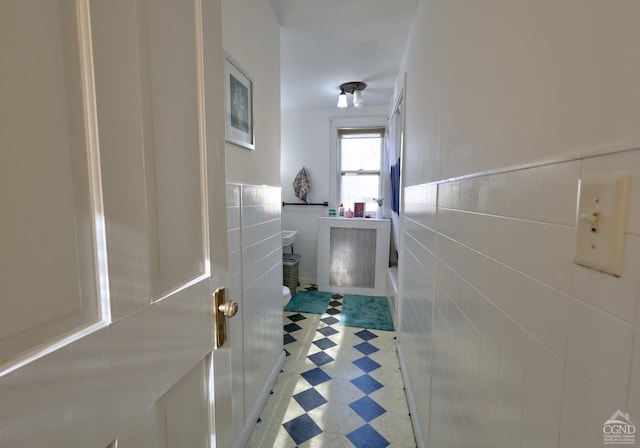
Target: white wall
(506, 342)
(255, 283)
(251, 36)
(236, 326)
(502, 83)
(306, 141)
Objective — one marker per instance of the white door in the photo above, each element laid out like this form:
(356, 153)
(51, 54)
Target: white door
(112, 224)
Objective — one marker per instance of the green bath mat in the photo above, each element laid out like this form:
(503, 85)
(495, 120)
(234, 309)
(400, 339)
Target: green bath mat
(366, 312)
(313, 302)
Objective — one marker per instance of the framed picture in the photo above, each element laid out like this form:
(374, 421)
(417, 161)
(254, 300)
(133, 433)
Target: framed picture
(238, 104)
(358, 209)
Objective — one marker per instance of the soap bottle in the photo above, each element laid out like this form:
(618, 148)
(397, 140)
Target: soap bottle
(341, 210)
(349, 214)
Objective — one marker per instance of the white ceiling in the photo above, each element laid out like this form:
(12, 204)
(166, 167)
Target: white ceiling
(325, 43)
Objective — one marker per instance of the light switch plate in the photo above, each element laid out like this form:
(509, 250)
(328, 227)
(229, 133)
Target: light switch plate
(602, 220)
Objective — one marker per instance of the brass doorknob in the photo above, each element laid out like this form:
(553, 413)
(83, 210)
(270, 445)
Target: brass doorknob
(229, 309)
(221, 310)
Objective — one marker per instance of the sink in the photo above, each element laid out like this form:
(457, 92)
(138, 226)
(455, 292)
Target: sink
(289, 237)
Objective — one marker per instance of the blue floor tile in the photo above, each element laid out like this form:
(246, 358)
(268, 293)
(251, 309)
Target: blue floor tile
(324, 343)
(367, 408)
(330, 320)
(365, 348)
(320, 358)
(327, 331)
(315, 376)
(296, 317)
(290, 328)
(365, 335)
(302, 429)
(309, 399)
(309, 393)
(367, 437)
(366, 364)
(366, 384)
(333, 311)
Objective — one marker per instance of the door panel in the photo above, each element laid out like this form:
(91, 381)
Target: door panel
(85, 393)
(186, 411)
(147, 75)
(45, 232)
(146, 431)
(120, 58)
(173, 147)
(178, 419)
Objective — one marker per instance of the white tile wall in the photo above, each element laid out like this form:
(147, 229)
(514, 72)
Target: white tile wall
(542, 404)
(584, 410)
(525, 348)
(255, 282)
(621, 293)
(236, 332)
(599, 348)
(497, 200)
(558, 192)
(261, 285)
(522, 188)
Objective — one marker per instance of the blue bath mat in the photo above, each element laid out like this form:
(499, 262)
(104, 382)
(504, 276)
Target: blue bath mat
(313, 302)
(366, 312)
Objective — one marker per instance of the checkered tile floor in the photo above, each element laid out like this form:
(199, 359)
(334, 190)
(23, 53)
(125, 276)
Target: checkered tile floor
(340, 387)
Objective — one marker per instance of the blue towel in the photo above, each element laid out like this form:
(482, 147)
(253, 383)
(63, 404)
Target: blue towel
(395, 187)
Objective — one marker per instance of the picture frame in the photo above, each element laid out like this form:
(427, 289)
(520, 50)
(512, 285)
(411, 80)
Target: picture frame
(358, 209)
(238, 100)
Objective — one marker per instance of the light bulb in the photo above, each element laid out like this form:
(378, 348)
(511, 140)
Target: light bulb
(342, 100)
(357, 98)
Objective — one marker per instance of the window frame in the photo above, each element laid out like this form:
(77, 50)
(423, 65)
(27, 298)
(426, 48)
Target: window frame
(363, 123)
(369, 132)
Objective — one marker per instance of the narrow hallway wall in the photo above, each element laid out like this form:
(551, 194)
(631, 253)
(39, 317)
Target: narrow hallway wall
(251, 36)
(506, 342)
(255, 284)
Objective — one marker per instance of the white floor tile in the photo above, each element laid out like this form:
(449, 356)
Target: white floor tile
(335, 417)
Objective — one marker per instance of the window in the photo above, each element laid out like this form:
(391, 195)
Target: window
(359, 166)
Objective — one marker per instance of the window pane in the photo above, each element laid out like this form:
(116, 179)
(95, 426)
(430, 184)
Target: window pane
(360, 154)
(360, 188)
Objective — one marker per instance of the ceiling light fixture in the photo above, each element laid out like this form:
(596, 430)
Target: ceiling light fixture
(355, 88)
